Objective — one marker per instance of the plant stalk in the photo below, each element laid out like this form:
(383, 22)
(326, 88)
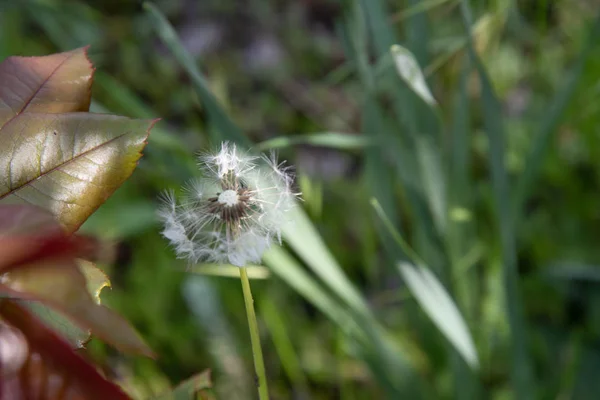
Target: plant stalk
(259, 364)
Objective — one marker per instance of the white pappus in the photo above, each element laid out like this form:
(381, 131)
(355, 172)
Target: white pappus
(232, 214)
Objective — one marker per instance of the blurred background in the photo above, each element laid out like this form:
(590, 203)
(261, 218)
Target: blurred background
(495, 186)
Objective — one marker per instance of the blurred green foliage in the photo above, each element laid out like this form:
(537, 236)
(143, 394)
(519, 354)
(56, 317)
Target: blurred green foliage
(495, 188)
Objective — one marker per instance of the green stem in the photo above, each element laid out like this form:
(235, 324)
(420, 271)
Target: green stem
(259, 364)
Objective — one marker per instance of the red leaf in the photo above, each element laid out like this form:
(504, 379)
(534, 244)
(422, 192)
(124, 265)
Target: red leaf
(30, 234)
(57, 83)
(40, 365)
(40, 266)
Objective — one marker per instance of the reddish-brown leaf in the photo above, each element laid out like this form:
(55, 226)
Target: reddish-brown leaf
(44, 269)
(29, 234)
(57, 83)
(37, 364)
(51, 153)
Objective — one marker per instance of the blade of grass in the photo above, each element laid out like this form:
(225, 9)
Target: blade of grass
(162, 138)
(304, 239)
(418, 121)
(460, 142)
(226, 128)
(409, 70)
(286, 268)
(340, 141)
(439, 306)
(381, 31)
(390, 367)
(428, 156)
(290, 361)
(423, 6)
(521, 372)
(203, 299)
(549, 124)
(434, 185)
(432, 296)
(378, 179)
(460, 226)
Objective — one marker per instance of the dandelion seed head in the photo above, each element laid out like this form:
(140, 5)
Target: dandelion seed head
(234, 213)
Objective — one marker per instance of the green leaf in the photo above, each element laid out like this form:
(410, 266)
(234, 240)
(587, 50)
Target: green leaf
(440, 307)
(409, 70)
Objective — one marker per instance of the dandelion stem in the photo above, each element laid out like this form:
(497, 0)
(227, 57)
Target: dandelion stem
(259, 364)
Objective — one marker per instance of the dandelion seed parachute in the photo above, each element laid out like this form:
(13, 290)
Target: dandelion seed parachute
(232, 214)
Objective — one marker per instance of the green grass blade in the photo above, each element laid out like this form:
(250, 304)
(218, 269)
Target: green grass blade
(289, 270)
(390, 367)
(409, 70)
(340, 141)
(378, 19)
(160, 137)
(429, 160)
(421, 7)
(432, 296)
(551, 119)
(417, 33)
(460, 156)
(276, 325)
(394, 234)
(521, 371)
(460, 234)
(379, 180)
(439, 306)
(434, 184)
(414, 118)
(202, 297)
(226, 128)
(305, 240)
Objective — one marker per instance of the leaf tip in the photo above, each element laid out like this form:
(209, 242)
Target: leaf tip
(151, 123)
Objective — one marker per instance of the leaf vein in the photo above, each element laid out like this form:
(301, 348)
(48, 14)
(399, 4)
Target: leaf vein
(74, 158)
